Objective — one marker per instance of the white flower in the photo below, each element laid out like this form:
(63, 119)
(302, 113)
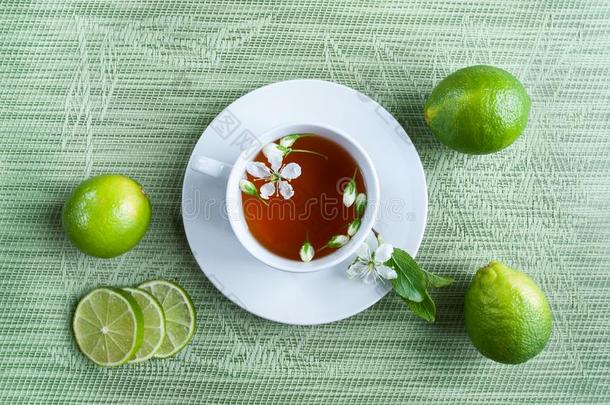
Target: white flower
(370, 267)
(274, 154)
(277, 176)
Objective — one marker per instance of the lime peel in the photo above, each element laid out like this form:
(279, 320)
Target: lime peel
(507, 315)
(154, 324)
(180, 315)
(478, 109)
(103, 332)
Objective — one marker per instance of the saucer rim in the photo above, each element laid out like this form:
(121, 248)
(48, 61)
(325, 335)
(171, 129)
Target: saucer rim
(417, 241)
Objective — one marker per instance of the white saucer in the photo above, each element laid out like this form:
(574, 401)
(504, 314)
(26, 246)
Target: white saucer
(311, 298)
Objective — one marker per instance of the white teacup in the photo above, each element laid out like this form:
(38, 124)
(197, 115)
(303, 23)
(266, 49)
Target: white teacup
(236, 171)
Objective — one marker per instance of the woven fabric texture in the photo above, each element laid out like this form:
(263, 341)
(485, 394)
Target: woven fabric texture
(90, 87)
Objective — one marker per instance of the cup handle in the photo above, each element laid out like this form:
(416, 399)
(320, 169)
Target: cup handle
(211, 167)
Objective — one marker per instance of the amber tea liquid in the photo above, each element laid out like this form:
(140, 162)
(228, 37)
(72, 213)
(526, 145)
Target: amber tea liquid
(315, 212)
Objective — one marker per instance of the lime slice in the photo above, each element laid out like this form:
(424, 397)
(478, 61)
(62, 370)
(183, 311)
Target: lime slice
(108, 326)
(154, 324)
(179, 315)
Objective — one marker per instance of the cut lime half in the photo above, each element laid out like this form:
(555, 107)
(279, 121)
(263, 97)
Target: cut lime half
(154, 324)
(179, 315)
(108, 326)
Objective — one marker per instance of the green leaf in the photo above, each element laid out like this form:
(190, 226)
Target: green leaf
(434, 281)
(410, 283)
(424, 309)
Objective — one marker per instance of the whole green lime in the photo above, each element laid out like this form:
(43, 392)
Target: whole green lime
(105, 216)
(507, 315)
(479, 109)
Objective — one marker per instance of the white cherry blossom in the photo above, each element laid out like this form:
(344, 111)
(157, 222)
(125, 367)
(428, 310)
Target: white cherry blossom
(369, 266)
(278, 176)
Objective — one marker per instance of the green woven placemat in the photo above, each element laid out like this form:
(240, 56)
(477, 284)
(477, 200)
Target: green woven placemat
(125, 86)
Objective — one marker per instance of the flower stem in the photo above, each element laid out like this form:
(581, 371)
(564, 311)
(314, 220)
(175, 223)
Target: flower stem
(263, 200)
(310, 152)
